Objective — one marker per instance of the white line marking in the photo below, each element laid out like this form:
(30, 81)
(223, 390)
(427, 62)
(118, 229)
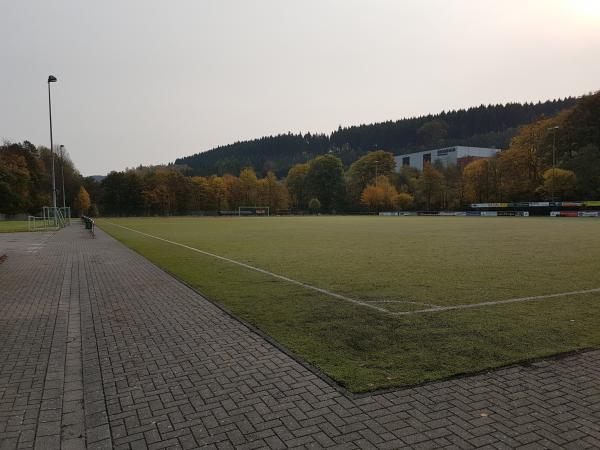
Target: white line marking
(367, 304)
(266, 272)
(497, 302)
(403, 301)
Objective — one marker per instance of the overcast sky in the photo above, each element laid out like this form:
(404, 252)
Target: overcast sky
(143, 82)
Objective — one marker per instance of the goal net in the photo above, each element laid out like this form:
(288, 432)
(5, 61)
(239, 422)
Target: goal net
(253, 211)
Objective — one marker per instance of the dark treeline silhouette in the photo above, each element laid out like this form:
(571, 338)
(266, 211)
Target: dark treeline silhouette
(271, 153)
(487, 126)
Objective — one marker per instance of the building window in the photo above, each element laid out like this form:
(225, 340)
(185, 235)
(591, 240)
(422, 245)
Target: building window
(406, 161)
(427, 158)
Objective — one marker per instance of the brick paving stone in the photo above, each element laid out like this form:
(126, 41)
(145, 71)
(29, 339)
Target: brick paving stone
(101, 349)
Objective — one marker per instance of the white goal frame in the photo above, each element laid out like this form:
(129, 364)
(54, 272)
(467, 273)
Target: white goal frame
(52, 219)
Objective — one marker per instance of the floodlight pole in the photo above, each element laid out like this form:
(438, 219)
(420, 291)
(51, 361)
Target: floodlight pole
(62, 174)
(52, 79)
(553, 159)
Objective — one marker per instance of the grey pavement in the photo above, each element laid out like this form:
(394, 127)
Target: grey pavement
(101, 349)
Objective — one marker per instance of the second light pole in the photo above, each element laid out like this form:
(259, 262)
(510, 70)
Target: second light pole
(52, 79)
(62, 175)
(555, 129)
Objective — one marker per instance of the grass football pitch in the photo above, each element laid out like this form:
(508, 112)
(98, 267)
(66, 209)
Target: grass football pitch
(13, 226)
(382, 302)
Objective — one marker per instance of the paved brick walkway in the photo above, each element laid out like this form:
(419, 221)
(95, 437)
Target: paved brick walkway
(100, 349)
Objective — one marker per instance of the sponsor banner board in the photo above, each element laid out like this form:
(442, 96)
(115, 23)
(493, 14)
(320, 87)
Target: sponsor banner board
(574, 204)
(489, 205)
(449, 213)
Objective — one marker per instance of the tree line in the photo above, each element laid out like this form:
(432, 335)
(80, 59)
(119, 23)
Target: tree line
(26, 180)
(523, 172)
(485, 126)
(165, 190)
(554, 157)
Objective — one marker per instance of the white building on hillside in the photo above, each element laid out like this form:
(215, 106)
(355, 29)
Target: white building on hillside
(458, 155)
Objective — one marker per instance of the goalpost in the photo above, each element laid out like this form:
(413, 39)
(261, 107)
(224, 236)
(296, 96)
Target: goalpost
(52, 218)
(253, 211)
(36, 223)
(57, 217)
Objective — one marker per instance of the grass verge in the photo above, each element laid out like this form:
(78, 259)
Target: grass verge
(13, 226)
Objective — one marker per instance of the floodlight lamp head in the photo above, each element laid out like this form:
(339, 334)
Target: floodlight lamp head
(51, 79)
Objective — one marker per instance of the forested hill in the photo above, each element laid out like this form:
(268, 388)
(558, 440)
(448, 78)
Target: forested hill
(486, 126)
